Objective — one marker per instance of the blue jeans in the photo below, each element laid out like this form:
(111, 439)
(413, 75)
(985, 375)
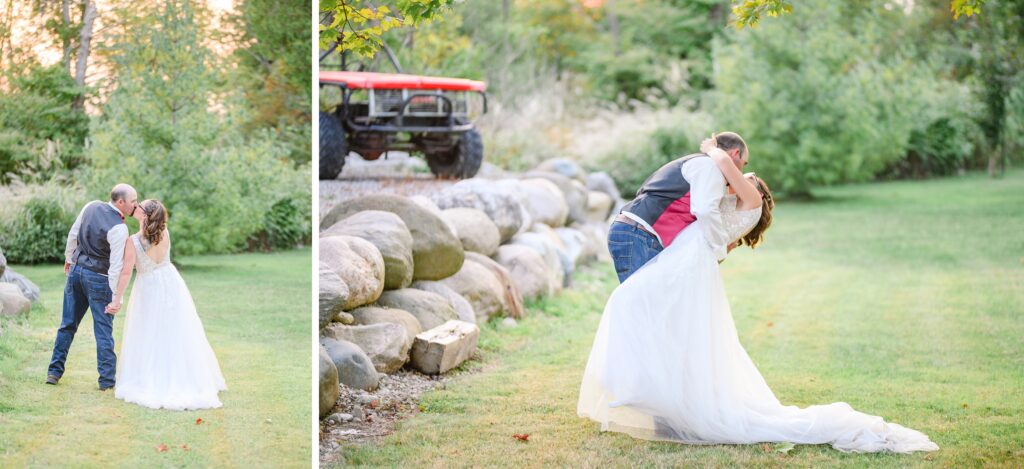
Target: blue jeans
(630, 248)
(85, 289)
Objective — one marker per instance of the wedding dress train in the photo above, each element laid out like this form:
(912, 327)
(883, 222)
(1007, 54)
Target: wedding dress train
(667, 364)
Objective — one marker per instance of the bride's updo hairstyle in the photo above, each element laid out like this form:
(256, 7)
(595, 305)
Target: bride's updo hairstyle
(756, 234)
(156, 220)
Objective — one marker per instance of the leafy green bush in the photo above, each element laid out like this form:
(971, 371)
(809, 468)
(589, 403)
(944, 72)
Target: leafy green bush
(286, 225)
(941, 149)
(38, 128)
(631, 165)
(37, 233)
(830, 96)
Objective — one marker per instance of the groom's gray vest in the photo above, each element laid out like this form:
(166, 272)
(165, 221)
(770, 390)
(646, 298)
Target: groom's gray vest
(93, 251)
(663, 201)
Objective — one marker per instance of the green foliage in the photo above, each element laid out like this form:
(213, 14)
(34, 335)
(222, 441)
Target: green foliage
(274, 63)
(839, 109)
(940, 149)
(37, 233)
(358, 26)
(631, 166)
(38, 127)
(159, 133)
(286, 225)
(749, 12)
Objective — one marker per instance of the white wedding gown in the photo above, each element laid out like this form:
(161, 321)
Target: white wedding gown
(166, 361)
(667, 364)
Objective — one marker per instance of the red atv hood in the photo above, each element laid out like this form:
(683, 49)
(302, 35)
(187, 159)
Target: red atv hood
(371, 80)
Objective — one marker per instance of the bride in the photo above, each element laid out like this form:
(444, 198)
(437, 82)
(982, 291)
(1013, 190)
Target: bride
(667, 363)
(166, 361)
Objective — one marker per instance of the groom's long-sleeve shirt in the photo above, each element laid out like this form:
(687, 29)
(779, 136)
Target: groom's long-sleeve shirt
(707, 187)
(116, 238)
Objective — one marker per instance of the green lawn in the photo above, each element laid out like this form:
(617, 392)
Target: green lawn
(903, 299)
(256, 309)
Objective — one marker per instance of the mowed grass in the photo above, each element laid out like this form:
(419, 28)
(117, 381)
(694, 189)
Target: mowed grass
(256, 309)
(903, 299)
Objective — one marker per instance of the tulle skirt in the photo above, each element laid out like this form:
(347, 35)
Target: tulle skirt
(166, 361)
(667, 364)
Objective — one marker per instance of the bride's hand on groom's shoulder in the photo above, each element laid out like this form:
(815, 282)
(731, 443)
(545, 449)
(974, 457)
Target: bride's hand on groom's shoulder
(708, 145)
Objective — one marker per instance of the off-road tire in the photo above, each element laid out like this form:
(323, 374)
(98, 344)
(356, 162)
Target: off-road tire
(333, 146)
(462, 161)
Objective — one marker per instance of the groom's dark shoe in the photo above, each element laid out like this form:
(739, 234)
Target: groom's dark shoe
(104, 388)
(51, 379)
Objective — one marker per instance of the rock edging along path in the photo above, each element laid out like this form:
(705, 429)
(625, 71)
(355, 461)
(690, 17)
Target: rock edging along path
(406, 281)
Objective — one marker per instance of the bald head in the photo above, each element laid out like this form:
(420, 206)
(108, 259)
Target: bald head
(124, 198)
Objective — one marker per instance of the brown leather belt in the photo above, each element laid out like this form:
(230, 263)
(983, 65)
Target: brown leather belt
(631, 222)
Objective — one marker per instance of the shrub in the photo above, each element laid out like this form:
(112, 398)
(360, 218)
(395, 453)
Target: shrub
(37, 233)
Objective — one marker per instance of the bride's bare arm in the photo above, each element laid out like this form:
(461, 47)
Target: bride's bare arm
(124, 278)
(745, 190)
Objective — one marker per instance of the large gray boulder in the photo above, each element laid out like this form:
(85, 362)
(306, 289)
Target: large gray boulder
(387, 344)
(437, 252)
(481, 288)
(544, 201)
(563, 166)
(574, 192)
(513, 299)
(328, 383)
(564, 257)
(502, 207)
(476, 231)
(358, 263)
(355, 369)
(369, 315)
(14, 302)
(527, 269)
(599, 206)
(556, 266)
(600, 181)
(29, 289)
(430, 309)
(333, 294)
(596, 240)
(576, 245)
(388, 233)
(462, 308)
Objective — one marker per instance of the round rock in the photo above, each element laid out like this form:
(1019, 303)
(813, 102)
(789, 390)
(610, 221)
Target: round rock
(437, 252)
(430, 309)
(388, 233)
(476, 231)
(359, 265)
(355, 369)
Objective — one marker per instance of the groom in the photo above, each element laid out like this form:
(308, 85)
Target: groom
(93, 258)
(680, 193)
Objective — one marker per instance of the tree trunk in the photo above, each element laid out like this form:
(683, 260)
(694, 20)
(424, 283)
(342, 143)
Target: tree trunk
(85, 38)
(65, 17)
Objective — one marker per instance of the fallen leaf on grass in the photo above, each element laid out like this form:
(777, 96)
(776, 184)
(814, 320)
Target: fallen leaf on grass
(185, 447)
(766, 447)
(162, 448)
(784, 448)
(965, 405)
(770, 324)
(199, 421)
(522, 436)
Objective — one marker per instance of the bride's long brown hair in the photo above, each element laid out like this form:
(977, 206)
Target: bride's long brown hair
(756, 234)
(156, 220)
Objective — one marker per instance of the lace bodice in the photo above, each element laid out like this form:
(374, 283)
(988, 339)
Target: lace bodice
(737, 222)
(148, 257)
